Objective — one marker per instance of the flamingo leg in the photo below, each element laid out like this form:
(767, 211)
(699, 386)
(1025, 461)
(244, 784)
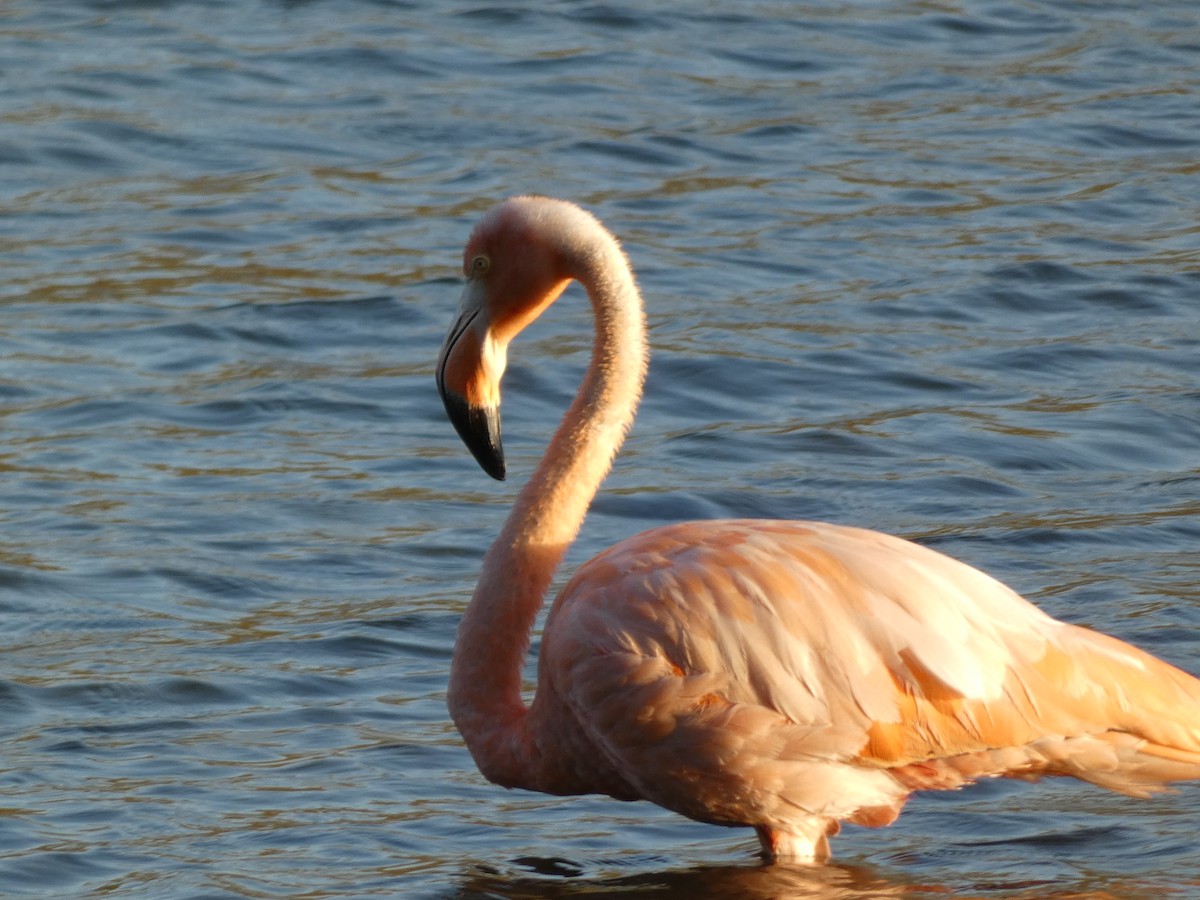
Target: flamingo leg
(806, 843)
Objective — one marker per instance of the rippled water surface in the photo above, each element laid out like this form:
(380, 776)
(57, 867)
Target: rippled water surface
(931, 267)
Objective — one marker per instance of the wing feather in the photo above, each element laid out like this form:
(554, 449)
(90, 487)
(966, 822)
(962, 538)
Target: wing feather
(761, 665)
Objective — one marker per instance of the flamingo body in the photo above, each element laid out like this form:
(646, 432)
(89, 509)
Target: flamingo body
(785, 676)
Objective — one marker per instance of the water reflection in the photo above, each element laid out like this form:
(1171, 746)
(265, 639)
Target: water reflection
(780, 882)
(832, 882)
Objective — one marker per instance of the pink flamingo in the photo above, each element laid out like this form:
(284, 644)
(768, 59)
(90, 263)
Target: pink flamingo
(780, 675)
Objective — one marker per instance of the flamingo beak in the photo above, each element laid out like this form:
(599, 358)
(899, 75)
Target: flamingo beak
(467, 385)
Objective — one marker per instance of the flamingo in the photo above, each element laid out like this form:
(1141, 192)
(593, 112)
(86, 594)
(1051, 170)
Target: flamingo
(780, 675)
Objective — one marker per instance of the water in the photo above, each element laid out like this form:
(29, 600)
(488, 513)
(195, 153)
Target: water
(931, 267)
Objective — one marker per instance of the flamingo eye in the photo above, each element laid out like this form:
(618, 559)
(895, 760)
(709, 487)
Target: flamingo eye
(479, 266)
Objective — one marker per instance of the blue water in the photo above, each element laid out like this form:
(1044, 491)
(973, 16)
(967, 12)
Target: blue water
(933, 268)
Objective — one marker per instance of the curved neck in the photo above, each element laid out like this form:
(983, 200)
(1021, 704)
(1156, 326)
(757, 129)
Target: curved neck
(493, 638)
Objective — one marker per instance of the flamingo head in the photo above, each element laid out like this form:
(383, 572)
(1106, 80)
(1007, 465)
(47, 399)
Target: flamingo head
(515, 265)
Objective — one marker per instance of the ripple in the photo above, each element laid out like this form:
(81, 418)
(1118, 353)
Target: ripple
(909, 268)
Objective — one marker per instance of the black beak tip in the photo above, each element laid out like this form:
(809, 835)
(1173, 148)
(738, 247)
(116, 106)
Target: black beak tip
(479, 428)
(497, 469)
